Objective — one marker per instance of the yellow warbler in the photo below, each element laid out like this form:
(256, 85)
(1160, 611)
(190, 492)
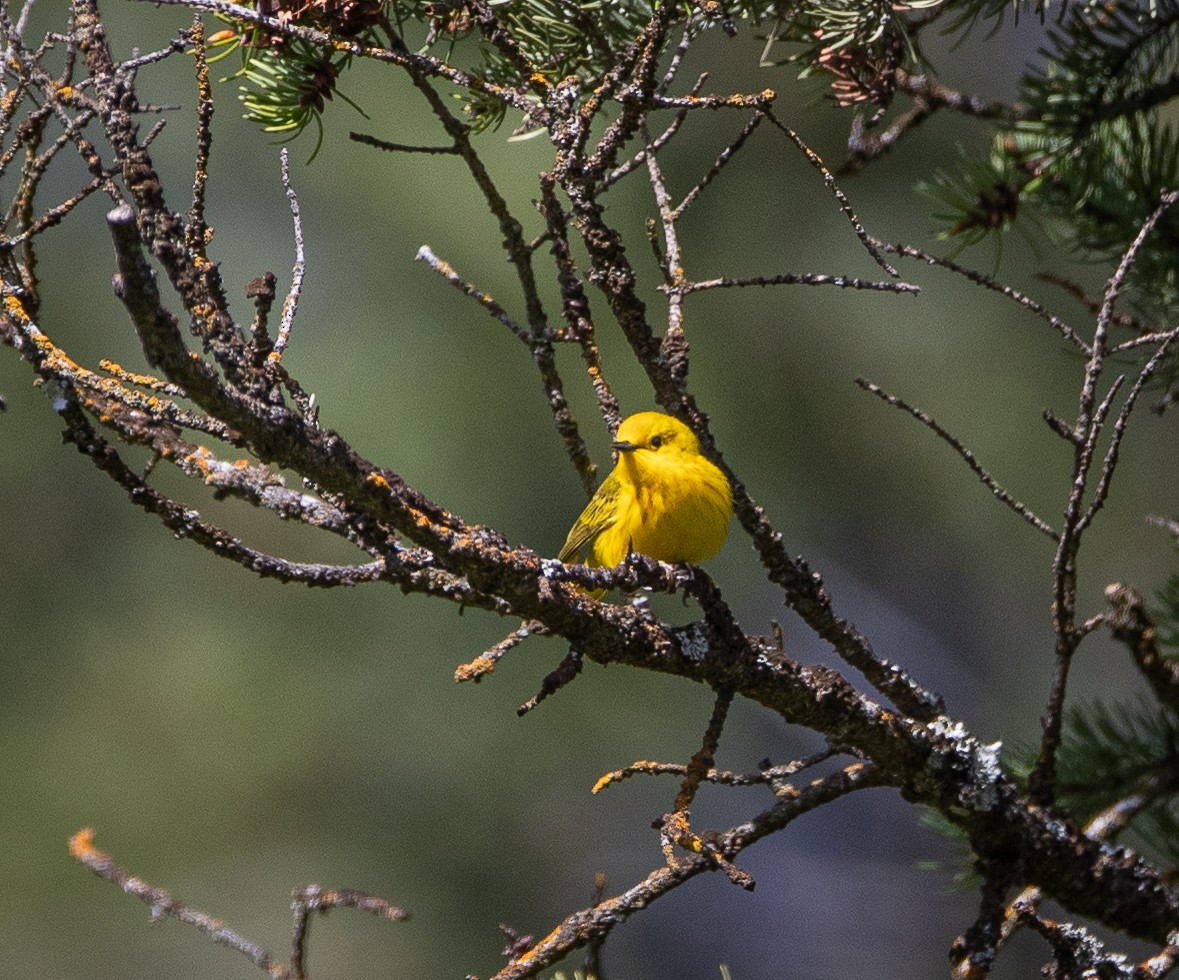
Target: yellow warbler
(663, 499)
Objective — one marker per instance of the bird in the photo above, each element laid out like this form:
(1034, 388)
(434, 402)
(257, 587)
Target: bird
(664, 499)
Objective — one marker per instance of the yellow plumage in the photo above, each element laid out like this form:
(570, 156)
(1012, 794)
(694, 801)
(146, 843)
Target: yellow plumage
(663, 499)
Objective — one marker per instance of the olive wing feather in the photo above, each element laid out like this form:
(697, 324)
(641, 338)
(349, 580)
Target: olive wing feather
(599, 514)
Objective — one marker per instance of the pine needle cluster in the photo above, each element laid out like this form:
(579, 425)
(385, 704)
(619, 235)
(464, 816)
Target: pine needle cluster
(1083, 154)
(1088, 150)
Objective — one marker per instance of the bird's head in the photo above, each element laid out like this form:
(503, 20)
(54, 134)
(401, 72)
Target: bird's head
(654, 432)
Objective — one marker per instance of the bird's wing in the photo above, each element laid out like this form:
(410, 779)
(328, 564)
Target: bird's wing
(599, 514)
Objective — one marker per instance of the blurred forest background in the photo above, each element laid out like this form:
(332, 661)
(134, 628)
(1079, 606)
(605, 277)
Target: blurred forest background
(231, 738)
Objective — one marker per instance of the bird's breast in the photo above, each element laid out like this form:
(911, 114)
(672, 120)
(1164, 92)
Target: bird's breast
(682, 511)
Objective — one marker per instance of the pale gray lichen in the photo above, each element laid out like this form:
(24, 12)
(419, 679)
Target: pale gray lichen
(979, 791)
(982, 792)
(694, 642)
(56, 394)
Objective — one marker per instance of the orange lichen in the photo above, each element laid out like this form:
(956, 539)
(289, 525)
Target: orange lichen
(82, 844)
(606, 780)
(679, 831)
(476, 669)
(378, 480)
(16, 308)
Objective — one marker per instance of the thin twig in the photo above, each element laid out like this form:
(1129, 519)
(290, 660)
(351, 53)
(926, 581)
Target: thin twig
(802, 279)
(979, 279)
(1091, 305)
(1101, 491)
(1091, 417)
(485, 300)
(575, 308)
(163, 905)
(865, 145)
(314, 898)
(675, 344)
(1166, 523)
(772, 776)
(1130, 623)
(290, 305)
(599, 920)
(929, 95)
(196, 232)
(486, 662)
(391, 147)
(655, 145)
(177, 45)
(739, 100)
(726, 155)
(869, 243)
(560, 676)
(702, 761)
(967, 456)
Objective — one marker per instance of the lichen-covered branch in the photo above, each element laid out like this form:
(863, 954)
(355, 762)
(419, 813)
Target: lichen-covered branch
(227, 412)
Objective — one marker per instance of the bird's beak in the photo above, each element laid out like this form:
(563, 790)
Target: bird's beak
(623, 447)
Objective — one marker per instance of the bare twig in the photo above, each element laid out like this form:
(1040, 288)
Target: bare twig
(1091, 417)
(1101, 490)
(1166, 523)
(714, 171)
(313, 898)
(307, 900)
(582, 927)
(485, 300)
(802, 279)
(1002, 495)
(486, 662)
(1091, 304)
(675, 344)
(390, 147)
(196, 233)
(816, 161)
(557, 678)
(701, 763)
(163, 905)
(655, 145)
(978, 278)
(290, 305)
(575, 308)
(929, 95)
(771, 776)
(739, 100)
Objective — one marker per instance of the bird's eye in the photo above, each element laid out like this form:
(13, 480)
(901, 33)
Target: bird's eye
(656, 442)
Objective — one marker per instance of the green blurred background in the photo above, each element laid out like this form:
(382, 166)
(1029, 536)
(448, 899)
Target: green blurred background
(230, 739)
